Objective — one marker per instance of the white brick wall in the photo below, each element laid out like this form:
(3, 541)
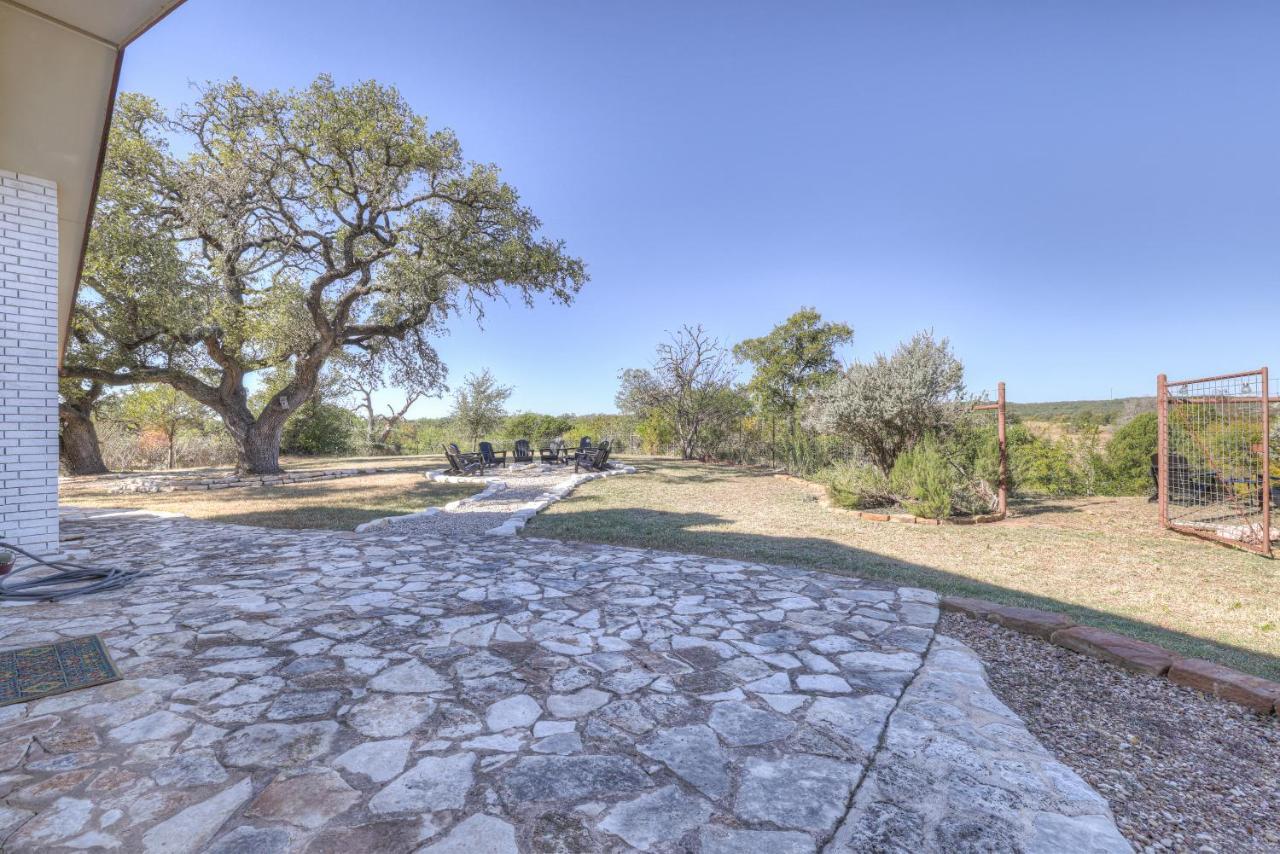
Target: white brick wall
(29, 361)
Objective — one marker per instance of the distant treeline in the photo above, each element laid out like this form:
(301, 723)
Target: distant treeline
(1114, 411)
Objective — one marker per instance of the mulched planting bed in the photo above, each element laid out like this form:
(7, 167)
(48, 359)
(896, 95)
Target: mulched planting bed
(1182, 771)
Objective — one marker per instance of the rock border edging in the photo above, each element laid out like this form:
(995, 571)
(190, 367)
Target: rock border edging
(824, 499)
(527, 511)
(1253, 692)
(494, 485)
(153, 483)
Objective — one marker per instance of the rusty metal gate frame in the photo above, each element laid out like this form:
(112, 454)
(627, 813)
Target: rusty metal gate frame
(1223, 390)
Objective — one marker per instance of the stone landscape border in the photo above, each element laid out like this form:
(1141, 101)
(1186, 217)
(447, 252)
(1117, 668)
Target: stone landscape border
(527, 511)
(824, 499)
(1255, 693)
(152, 483)
(494, 485)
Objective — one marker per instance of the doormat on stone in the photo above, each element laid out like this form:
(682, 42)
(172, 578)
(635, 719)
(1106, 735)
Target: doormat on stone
(54, 668)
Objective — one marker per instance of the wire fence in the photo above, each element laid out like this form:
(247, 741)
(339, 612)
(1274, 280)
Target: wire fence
(1213, 463)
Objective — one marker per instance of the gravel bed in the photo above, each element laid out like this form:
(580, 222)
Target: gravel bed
(473, 518)
(1182, 771)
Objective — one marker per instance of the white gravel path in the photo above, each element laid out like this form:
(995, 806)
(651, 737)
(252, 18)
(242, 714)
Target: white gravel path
(512, 495)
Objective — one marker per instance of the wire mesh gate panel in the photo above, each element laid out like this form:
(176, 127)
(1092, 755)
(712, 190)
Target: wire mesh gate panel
(1213, 464)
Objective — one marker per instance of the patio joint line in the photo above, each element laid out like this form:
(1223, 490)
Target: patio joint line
(824, 845)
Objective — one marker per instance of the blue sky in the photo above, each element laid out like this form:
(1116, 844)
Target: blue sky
(1079, 195)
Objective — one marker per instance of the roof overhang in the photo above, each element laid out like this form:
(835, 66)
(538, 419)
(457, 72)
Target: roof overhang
(59, 67)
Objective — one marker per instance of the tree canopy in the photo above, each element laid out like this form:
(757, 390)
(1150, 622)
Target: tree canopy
(261, 229)
(479, 405)
(885, 407)
(795, 358)
(685, 386)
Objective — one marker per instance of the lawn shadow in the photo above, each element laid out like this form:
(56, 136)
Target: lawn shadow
(670, 531)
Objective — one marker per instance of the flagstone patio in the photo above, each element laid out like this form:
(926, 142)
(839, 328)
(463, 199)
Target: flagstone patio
(313, 691)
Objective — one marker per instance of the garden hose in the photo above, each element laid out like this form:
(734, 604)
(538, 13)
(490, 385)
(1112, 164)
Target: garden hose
(67, 579)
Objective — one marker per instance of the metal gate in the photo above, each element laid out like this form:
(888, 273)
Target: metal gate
(1213, 463)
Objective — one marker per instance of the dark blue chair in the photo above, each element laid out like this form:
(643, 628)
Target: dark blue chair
(492, 457)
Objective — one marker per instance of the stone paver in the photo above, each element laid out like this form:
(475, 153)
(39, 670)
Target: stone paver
(959, 771)
(396, 691)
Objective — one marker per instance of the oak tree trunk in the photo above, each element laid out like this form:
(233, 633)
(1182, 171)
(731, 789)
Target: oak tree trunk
(258, 446)
(78, 443)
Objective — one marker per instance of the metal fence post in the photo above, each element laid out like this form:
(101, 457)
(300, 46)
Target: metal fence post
(1162, 448)
(1004, 452)
(1266, 462)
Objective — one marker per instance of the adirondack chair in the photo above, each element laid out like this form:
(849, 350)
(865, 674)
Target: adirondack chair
(491, 457)
(593, 459)
(553, 452)
(522, 453)
(463, 464)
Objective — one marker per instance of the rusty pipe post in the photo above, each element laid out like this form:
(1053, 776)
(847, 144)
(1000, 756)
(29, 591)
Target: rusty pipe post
(1004, 451)
(1162, 448)
(1266, 462)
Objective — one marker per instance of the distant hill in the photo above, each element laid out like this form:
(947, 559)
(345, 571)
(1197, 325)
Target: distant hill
(1114, 411)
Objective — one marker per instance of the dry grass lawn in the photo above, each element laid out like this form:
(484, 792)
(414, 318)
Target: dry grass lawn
(330, 504)
(1104, 561)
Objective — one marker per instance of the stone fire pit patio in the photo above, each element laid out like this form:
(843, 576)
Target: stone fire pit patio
(312, 691)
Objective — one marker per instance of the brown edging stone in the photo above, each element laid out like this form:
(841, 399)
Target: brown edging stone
(1030, 621)
(1261, 695)
(824, 499)
(1129, 653)
(1254, 692)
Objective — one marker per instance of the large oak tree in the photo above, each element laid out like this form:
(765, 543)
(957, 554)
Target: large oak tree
(258, 230)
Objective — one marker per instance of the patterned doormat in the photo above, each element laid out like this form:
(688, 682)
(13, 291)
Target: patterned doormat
(54, 668)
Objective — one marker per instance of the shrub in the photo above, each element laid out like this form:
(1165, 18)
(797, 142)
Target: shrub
(1042, 466)
(1127, 460)
(320, 429)
(886, 407)
(925, 479)
(857, 486)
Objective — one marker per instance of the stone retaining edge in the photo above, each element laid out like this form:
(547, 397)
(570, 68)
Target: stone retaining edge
(1255, 693)
(824, 499)
(492, 485)
(517, 520)
(143, 483)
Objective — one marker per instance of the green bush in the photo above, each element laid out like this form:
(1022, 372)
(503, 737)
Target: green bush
(536, 427)
(320, 429)
(925, 479)
(856, 486)
(1042, 466)
(1127, 460)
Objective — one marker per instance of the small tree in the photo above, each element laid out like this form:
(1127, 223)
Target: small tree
(795, 359)
(411, 367)
(887, 406)
(161, 409)
(479, 406)
(684, 386)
